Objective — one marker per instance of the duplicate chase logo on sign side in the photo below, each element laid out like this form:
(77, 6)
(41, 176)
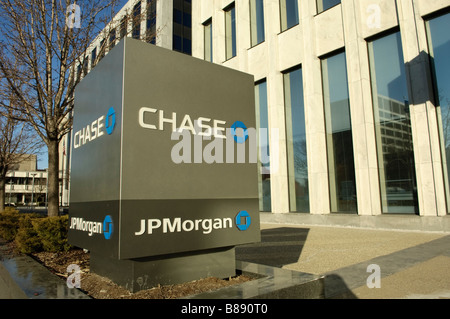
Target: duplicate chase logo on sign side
(104, 228)
(206, 226)
(213, 132)
(96, 129)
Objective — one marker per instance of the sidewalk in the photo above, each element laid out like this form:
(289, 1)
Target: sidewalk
(411, 264)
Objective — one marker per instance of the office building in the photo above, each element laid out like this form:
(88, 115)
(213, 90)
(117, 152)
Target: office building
(355, 95)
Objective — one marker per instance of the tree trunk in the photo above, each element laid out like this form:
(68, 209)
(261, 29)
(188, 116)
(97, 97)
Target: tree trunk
(2, 193)
(53, 178)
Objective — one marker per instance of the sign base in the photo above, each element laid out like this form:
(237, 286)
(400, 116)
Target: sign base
(145, 273)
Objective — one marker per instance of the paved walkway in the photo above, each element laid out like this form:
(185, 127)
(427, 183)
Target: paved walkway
(410, 264)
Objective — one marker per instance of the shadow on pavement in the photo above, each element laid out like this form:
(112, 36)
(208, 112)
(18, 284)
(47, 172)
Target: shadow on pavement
(336, 288)
(283, 246)
(278, 247)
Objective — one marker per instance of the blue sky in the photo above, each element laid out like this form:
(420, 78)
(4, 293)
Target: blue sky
(43, 156)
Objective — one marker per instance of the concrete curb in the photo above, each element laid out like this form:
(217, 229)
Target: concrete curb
(22, 277)
(271, 283)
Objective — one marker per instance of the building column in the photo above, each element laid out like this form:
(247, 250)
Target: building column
(361, 108)
(277, 124)
(428, 161)
(319, 196)
(164, 23)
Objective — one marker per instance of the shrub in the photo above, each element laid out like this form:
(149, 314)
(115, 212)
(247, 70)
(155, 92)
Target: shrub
(52, 232)
(27, 238)
(34, 233)
(9, 223)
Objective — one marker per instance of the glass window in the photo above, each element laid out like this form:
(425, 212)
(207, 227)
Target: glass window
(151, 21)
(182, 32)
(102, 49)
(262, 116)
(323, 5)
(93, 57)
(177, 16)
(207, 31)
(187, 46)
(177, 43)
(339, 134)
(257, 21)
(112, 38)
(296, 141)
(123, 27)
(230, 31)
(136, 32)
(187, 19)
(439, 46)
(288, 13)
(393, 126)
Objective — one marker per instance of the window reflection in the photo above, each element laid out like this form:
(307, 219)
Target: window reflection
(264, 153)
(323, 5)
(339, 134)
(296, 141)
(151, 21)
(288, 13)
(393, 126)
(257, 21)
(136, 32)
(439, 44)
(208, 41)
(230, 31)
(182, 23)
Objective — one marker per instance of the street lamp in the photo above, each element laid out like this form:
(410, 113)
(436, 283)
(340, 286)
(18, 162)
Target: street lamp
(32, 189)
(10, 189)
(46, 189)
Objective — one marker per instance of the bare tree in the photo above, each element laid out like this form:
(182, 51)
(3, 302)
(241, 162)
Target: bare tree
(43, 43)
(17, 144)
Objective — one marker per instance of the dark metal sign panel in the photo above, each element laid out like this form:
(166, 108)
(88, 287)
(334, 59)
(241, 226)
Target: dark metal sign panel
(163, 160)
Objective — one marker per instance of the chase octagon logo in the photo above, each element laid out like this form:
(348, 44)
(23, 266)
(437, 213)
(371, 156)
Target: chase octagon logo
(243, 220)
(108, 227)
(96, 129)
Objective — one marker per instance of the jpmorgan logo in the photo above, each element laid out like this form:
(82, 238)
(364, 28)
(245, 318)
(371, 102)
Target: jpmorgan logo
(96, 129)
(205, 226)
(93, 227)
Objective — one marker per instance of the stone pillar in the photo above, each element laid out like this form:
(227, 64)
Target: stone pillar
(361, 108)
(430, 183)
(164, 23)
(319, 197)
(277, 123)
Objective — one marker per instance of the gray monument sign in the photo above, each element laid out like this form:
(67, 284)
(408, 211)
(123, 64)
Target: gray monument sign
(159, 191)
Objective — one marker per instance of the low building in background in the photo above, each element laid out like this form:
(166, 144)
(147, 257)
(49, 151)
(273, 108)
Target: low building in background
(26, 185)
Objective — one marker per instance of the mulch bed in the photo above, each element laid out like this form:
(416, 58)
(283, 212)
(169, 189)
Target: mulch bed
(102, 288)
